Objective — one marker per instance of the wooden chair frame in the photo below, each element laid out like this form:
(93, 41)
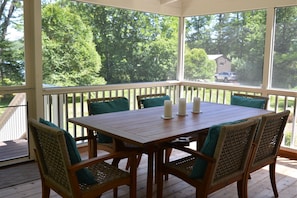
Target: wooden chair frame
(51, 151)
(94, 145)
(216, 175)
(267, 144)
(115, 146)
(140, 97)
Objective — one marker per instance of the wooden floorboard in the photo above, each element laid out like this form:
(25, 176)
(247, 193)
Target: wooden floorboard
(259, 185)
(13, 149)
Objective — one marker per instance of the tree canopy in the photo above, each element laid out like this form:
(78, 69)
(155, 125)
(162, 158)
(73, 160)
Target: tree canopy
(69, 54)
(134, 46)
(11, 49)
(198, 66)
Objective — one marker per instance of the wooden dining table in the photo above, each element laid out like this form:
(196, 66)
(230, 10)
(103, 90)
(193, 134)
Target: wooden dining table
(147, 129)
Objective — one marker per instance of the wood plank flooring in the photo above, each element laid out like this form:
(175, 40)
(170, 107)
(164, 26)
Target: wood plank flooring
(13, 149)
(259, 185)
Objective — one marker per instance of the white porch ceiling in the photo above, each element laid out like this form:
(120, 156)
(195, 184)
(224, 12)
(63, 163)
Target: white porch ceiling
(192, 7)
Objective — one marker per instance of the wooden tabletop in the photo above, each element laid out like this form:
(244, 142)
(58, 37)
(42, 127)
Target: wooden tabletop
(146, 127)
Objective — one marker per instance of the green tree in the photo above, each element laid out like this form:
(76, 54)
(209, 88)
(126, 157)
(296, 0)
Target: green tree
(134, 46)
(11, 51)
(199, 32)
(252, 53)
(11, 63)
(198, 66)
(156, 62)
(69, 54)
(285, 49)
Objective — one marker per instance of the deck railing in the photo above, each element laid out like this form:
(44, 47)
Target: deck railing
(13, 119)
(63, 103)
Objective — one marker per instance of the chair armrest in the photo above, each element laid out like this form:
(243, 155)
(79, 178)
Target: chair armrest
(192, 152)
(81, 138)
(103, 158)
(90, 136)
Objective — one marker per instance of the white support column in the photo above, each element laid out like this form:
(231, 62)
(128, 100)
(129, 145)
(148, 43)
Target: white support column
(33, 61)
(269, 48)
(181, 48)
(33, 56)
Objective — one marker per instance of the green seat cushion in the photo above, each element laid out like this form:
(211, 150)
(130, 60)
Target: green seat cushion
(248, 102)
(208, 149)
(154, 102)
(83, 175)
(119, 104)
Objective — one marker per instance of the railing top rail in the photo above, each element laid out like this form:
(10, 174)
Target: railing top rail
(63, 90)
(234, 87)
(230, 87)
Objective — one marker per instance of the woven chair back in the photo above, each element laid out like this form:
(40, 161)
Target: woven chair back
(52, 155)
(269, 137)
(233, 150)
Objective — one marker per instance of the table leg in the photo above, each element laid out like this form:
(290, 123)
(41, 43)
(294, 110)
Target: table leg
(159, 176)
(92, 144)
(149, 187)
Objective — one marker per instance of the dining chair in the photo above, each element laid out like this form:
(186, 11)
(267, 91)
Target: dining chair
(151, 100)
(154, 100)
(222, 160)
(106, 143)
(248, 100)
(267, 144)
(62, 170)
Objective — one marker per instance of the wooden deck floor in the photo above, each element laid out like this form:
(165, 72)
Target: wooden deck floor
(259, 185)
(13, 149)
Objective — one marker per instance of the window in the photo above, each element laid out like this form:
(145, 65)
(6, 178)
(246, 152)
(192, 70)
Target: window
(12, 71)
(284, 74)
(102, 45)
(236, 37)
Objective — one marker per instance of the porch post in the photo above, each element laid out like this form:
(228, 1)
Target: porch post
(181, 49)
(33, 61)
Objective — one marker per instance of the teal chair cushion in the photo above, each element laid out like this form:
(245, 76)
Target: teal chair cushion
(208, 149)
(154, 102)
(248, 102)
(119, 104)
(84, 176)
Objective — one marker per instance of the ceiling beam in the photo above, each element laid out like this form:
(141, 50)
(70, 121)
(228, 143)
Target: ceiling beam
(153, 6)
(185, 8)
(163, 2)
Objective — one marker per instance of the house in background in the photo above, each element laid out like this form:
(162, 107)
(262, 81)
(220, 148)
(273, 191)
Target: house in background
(223, 63)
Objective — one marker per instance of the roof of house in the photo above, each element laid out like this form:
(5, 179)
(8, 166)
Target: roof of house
(214, 56)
